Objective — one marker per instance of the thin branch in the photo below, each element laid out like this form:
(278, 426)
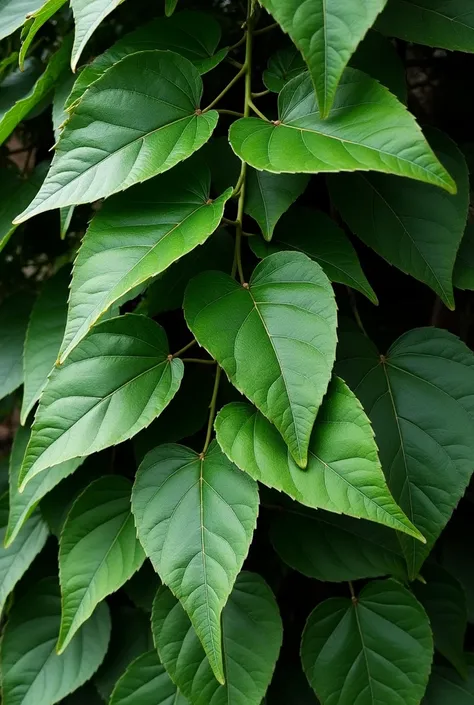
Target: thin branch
(183, 350)
(212, 411)
(266, 29)
(237, 77)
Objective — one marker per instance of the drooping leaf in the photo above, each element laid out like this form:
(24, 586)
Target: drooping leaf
(13, 113)
(282, 67)
(195, 518)
(13, 14)
(327, 34)
(420, 400)
(446, 686)
(268, 196)
(43, 338)
(14, 315)
(275, 339)
(317, 236)
(343, 474)
(377, 57)
(142, 139)
(146, 682)
(251, 640)
(448, 24)
(98, 552)
(463, 275)
(444, 600)
(32, 672)
(88, 14)
(112, 385)
(35, 21)
(22, 504)
(15, 195)
(135, 237)
(15, 560)
(414, 226)
(374, 649)
(385, 139)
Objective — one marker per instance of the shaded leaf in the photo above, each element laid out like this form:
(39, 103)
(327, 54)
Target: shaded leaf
(377, 57)
(34, 23)
(15, 195)
(463, 275)
(146, 682)
(268, 196)
(142, 587)
(446, 686)
(14, 315)
(282, 67)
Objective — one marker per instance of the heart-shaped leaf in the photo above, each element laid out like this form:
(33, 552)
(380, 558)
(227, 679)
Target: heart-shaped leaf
(341, 477)
(175, 488)
(386, 138)
(275, 338)
(147, 133)
(376, 648)
(146, 682)
(112, 386)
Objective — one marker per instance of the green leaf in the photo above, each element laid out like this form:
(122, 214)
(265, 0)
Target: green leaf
(35, 21)
(282, 67)
(170, 7)
(316, 235)
(275, 339)
(88, 15)
(455, 554)
(32, 672)
(420, 399)
(12, 113)
(218, 505)
(143, 586)
(268, 196)
(157, 130)
(13, 14)
(448, 24)
(335, 548)
(61, 94)
(377, 56)
(43, 338)
(15, 560)
(146, 682)
(98, 552)
(14, 315)
(251, 640)
(135, 237)
(446, 686)
(374, 649)
(327, 34)
(463, 275)
(345, 478)
(414, 226)
(301, 141)
(444, 600)
(15, 195)
(112, 386)
(22, 504)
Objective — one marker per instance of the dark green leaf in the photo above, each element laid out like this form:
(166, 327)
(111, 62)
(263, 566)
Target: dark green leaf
(377, 57)
(268, 196)
(282, 67)
(142, 587)
(463, 275)
(446, 687)
(15, 195)
(14, 315)
(146, 682)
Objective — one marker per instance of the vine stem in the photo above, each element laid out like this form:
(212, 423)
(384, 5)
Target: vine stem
(198, 360)
(183, 350)
(243, 72)
(212, 411)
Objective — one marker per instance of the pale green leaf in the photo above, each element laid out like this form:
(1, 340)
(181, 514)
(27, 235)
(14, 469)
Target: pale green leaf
(146, 133)
(14, 316)
(374, 649)
(88, 15)
(275, 339)
(343, 474)
(15, 195)
(385, 138)
(35, 21)
(327, 33)
(146, 682)
(112, 386)
(268, 196)
(98, 552)
(32, 672)
(463, 275)
(135, 237)
(13, 14)
(414, 226)
(251, 640)
(420, 399)
(218, 506)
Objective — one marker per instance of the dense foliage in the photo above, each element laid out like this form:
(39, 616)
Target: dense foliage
(236, 377)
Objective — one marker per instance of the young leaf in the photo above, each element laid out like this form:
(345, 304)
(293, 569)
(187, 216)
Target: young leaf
(345, 478)
(316, 235)
(414, 226)
(251, 640)
(275, 339)
(448, 24)
(34, 23)
(268, 196)
(22, 504)
(146, 682)
(11, 115)
(301, 141)
(15, 560)
(218, 506)
(376, 648)
(98, 552)
(13, 14)
(444, 600)
(157, 130)
(446, 686)
(43, 338)
(14, 315)
(32, 672)
(135, 237)
(420, 399)
(88, 14)
(15, 195)
(327, 34)
(282, 67)
(112, 386)
(463, 275)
